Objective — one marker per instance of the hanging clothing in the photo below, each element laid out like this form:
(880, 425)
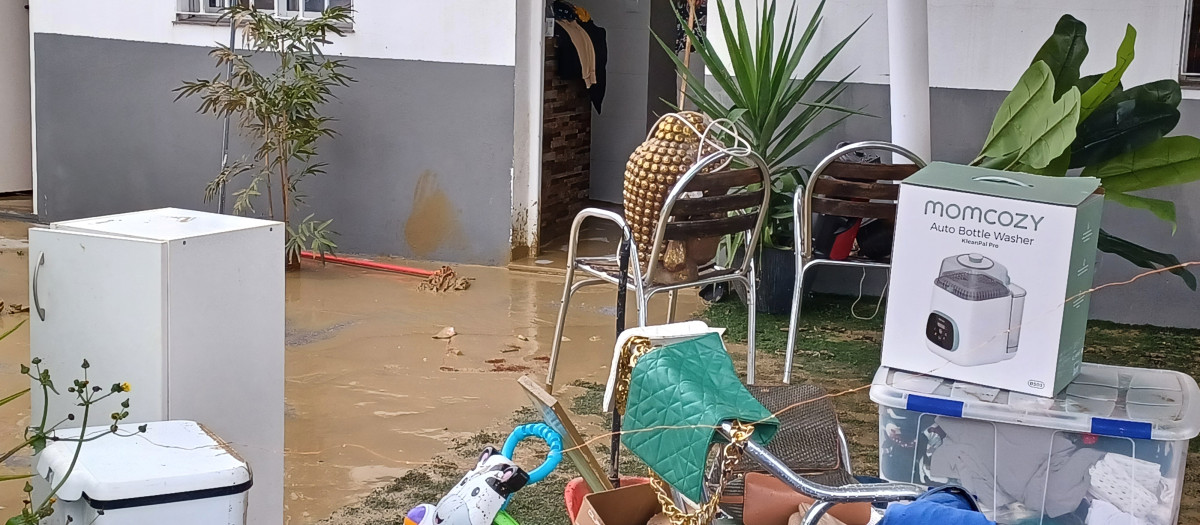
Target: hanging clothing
(582, 49)
(600, 47)
(585, 53)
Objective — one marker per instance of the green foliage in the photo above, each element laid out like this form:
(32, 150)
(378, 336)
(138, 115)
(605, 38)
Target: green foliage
(279, 109)
(1117, 135)
(772, 102)
(1064, 52)
(313, 235)
(40, 431)
(1031, 127)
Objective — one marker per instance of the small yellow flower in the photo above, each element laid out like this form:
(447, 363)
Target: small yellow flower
(125, 387)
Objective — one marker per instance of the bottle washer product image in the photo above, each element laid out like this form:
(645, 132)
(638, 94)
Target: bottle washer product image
(975, 312)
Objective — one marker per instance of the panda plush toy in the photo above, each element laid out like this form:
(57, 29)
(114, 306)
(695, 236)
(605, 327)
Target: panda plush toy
(485, 490)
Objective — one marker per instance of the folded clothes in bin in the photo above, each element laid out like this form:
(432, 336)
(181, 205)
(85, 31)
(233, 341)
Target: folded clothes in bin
(1110, 449)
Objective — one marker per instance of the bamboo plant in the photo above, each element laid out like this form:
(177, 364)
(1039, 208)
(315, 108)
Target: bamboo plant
(1055, 121)
(774, 104)
(279, 110)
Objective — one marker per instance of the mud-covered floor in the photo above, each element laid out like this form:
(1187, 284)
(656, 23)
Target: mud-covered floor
(370, 393)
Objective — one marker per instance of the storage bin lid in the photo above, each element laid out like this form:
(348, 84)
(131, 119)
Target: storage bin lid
(1110, 400)
(172, 458)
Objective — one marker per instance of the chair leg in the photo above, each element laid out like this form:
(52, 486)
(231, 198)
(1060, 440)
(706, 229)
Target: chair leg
(751, 325)
(673, 301)
(794, 322)
(643, 303)
(559, 326)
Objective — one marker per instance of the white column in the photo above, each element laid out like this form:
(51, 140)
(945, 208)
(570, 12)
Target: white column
(527, 125)
(908, 65)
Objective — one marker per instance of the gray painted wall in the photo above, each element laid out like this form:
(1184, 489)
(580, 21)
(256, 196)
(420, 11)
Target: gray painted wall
(960, 122)
(422, 167)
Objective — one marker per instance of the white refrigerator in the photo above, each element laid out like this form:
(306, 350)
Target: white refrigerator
(187, 307)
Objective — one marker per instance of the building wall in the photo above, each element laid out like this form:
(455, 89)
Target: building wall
(421, 167)
(16, 170)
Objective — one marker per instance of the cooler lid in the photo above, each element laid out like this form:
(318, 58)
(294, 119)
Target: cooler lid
(1138, 403)
(170, 458)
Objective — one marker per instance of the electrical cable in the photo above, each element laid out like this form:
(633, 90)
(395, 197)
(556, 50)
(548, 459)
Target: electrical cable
(887, 282)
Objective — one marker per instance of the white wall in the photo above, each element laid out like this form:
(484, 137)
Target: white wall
(987, 44)
(455, 31)
(622, 125)
(16, 146)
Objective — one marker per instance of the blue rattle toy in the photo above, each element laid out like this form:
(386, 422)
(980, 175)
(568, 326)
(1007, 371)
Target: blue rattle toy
(486, 489)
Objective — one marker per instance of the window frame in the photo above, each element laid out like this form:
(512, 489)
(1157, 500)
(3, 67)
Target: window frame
(205, 13)
(1188, 79)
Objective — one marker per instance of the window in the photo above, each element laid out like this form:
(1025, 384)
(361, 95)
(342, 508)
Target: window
(1191, 45)
(208, 10)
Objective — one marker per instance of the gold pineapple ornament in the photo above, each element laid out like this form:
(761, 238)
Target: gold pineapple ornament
(671, 149)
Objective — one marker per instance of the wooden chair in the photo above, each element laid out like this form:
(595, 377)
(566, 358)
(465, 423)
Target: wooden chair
(846, 189)
(701, 205)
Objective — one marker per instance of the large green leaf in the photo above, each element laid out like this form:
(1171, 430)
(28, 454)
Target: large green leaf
(1166, 91)
(1032, 95)
(1109, 81)
(1085, 83)
(1162, 209)
(1144, 257)
(1057, 167)
(1031, 123)
(1051, 132)
(1116, 129)
(1064, 52)
(1166, 162)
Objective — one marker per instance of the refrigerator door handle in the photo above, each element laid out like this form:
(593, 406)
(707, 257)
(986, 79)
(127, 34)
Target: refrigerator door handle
(37, 303)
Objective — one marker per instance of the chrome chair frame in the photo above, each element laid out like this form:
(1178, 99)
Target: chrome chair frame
(824, 495)
(642, 285)
(802, 224)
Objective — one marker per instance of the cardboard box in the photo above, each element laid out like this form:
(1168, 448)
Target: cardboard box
(988, 274)
(630, 505)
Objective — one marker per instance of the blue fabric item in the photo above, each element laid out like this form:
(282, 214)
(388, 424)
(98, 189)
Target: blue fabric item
(940, 506)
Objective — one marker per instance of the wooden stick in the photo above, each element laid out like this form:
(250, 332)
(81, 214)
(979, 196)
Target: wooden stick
(687, 50)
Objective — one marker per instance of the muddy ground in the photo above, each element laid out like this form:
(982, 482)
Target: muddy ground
(835, 350)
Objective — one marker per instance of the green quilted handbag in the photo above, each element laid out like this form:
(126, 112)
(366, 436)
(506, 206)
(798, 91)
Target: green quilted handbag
(678, 395)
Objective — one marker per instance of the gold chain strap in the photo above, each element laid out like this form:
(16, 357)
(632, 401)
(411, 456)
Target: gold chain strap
(705, 514)
(633, 349)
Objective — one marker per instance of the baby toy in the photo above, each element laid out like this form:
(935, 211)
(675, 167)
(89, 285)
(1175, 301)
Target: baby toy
(484, 491)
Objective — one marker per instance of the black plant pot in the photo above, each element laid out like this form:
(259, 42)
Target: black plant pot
(776, 280)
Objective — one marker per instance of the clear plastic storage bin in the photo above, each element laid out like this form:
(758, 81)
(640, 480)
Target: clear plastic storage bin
(1110, 448)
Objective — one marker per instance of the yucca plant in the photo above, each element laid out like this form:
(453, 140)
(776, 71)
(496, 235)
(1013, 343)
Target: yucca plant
(280, 110)
(772, 103)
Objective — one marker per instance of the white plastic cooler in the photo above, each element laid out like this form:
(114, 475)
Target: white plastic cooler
(175, 473)
(1110, 448)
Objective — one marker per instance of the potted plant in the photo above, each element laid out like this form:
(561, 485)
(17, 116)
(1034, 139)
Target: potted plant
(279, 109)
(1055, 122)
(775, 106)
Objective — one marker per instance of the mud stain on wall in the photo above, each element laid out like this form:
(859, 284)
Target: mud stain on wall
(433, 223)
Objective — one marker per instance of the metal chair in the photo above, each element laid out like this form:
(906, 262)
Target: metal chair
(809, 439)
(844, 189)
(826, 496)
(741, 198)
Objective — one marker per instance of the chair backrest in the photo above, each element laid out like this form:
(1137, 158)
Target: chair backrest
(708, 205)
(851, 189)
